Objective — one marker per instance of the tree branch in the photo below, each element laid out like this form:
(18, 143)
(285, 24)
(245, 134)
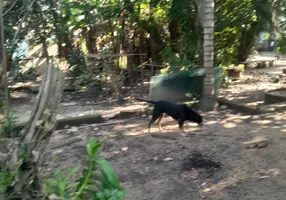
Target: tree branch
(14, 3)
(19, 26)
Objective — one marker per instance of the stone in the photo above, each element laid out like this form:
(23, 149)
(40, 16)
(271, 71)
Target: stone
(257, 142)
(276, 79)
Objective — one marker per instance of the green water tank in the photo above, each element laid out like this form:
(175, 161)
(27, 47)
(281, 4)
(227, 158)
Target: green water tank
(181, 86)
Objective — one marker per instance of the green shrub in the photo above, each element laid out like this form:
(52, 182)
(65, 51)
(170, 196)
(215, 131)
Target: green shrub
(98, 181)
(8, 124)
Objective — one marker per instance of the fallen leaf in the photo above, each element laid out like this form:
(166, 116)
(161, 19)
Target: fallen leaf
(66, 126)
(124, 149)
(147, 169)
(73, 129)
(155, 158)
(263, 177)
(168, 159)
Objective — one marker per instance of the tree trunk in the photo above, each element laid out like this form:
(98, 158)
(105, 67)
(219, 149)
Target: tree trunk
(208, 99)
(127, 45)
(90, 39)
(64, 45)
(27, 182)
(200, 38)
(4, 92)
(247, 41)
(174, 35)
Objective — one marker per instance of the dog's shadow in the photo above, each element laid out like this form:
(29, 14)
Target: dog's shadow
(171, 126)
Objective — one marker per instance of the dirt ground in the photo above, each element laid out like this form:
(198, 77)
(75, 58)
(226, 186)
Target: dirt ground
(253, 84)
(153, 167)
(150, 165)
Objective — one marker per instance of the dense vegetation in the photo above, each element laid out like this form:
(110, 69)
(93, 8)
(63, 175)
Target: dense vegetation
(167, 31)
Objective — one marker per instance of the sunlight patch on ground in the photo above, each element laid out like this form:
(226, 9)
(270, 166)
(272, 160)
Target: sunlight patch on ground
(274, 172)
(254, 103)
(135, 133)
(245, 117)
(237, 120)
(279, 117)
(229, 125)
(236, 98)
(126, 126)
(255, 140)
(262, 122)
(211, 122)
(18, 95)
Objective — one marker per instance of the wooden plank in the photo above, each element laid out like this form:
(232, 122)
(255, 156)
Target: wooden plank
(72, 121)
(153, 65)
(113, 55)
(257, 61)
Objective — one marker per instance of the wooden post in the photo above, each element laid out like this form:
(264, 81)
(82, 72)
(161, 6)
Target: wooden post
(4, 58)
(142, 68)
(208, 98)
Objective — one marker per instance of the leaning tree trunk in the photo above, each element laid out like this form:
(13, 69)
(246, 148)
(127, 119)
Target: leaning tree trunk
(27, 182)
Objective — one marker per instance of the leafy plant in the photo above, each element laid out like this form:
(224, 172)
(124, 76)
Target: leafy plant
(77, 62)
(61, 185)
(18, 74)
(6, 178)
(7, 124)
(281, 44)
(98, 181)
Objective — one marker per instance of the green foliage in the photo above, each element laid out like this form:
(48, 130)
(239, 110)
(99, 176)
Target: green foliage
(98, 181)
(8, 124)
(60, 185)
(175, 62)
(281, 44)
(237, 25)
(76, 62)
(170, 29)
(1, 104)
(24, 74)
(6, 178)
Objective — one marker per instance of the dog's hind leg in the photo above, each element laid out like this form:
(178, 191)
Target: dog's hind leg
(150, 123)
(160, 120)
(155, 116)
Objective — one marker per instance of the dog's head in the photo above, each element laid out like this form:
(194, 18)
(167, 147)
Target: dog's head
(194, 116)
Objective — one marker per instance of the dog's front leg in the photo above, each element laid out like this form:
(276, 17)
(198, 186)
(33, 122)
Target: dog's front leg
(159, 122)
(181, 124)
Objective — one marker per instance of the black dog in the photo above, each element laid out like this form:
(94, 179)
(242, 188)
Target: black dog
(179, 112)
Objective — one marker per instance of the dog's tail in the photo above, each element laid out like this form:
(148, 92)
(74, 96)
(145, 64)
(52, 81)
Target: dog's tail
(148, 101)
